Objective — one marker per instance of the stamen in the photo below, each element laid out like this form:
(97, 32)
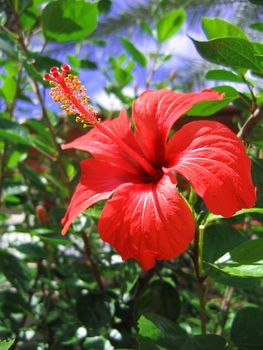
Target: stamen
(67, 89)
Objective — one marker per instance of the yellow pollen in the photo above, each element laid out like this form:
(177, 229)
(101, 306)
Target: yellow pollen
(71, 93)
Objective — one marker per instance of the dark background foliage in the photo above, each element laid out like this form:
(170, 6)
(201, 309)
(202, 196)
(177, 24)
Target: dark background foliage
(74, 292)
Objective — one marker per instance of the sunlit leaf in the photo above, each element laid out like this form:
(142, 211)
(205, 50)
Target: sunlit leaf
(229, 52)
(65, 20)
(9, 88)
(207, 108)
(6, 344)
(219, 28)
(170, 24)
(137, 55)
(222, 74)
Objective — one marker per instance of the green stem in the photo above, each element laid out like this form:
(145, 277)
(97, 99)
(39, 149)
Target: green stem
(154, 67)
(254, 99)
(201, 277)
(251, 122)
(200, 250)
(44, 112)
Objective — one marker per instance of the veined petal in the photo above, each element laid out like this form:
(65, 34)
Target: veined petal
(154, 113)
(98, 181)
(147, 222)
(102, 147)
(214, 161)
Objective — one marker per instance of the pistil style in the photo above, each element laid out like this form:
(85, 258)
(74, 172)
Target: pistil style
(67, 89)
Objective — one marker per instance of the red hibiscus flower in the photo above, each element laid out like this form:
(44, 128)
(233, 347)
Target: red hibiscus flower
(145, 217)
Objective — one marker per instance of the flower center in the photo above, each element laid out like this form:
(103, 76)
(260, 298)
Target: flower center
(67, 89)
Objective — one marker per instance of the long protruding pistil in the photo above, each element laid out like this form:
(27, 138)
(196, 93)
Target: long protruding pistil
(69, 91)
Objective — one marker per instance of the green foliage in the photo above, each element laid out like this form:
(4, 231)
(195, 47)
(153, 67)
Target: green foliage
(157, 298)
(225, 75)
(137, 55)
(170, 24)
(157, 333)
(207, 108)
(219, 28)
(93, 310)
(230, 52)
(257, 26)
(246, 330)
(6, 344)
(64, 20)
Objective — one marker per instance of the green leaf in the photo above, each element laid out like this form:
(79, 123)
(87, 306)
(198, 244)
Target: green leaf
(122, 76)
(137, 55)
(219, 28)
(3, 18)
(82, 63)
(256, 135)
(235, 281)
(158, 297)
(249, 211)
(16, 156)
(40, 128)
(207, 108)
(256, 2)
(42, 145)
(7, 45)
(146, 27)
(93, 310)
(234, 268)
(247, 330)
(257, 171)
(212, 217)
(248, 252)
(229, 52)
(257, 26)
(18, 275)
(66, 20)
(14, 132)
(28, 18)
(33, 251)
(219, 239)
(36, 180)
(6, 344)
(87, 64)
(9, 89)
(222, 74)
(104, 6)
(157, 333)
(44, 63)
(170, 24)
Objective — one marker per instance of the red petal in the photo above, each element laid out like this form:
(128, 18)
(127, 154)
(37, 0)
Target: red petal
(102, 147)
(147, 222)
(98, 180)
(214, 161)
(154, 114)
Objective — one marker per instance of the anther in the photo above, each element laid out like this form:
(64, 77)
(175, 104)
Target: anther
(69, 91)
